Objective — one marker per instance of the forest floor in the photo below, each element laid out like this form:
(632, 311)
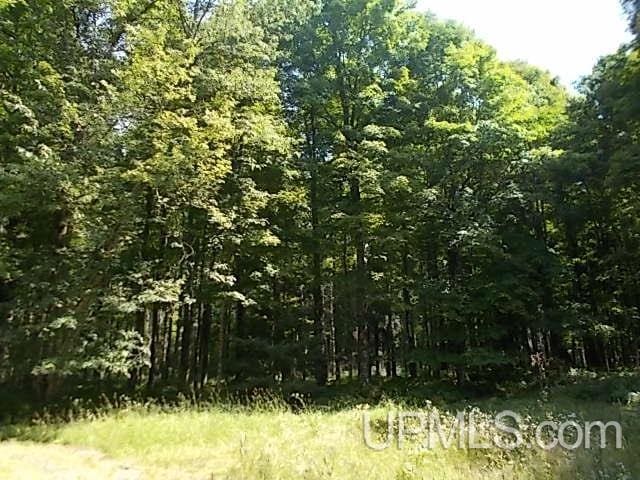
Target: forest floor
(267, 441)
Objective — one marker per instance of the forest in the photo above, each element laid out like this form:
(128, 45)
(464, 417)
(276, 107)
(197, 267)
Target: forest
(231, 228)
(198, 193)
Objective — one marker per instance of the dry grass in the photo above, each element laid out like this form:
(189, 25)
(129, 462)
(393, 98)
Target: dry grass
(34, 461)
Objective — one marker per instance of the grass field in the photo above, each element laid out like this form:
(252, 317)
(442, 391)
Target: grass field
(268, 441)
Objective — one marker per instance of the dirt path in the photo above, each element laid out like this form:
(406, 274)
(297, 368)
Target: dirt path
(33, 461)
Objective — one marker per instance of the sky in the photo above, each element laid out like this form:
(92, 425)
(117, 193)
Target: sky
(565, 37)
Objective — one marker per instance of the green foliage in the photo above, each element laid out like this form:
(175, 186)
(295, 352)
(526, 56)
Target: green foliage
(229, 190)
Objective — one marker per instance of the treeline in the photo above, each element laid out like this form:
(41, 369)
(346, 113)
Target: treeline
(197, 191)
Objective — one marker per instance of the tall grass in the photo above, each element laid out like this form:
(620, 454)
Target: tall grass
(268, 441)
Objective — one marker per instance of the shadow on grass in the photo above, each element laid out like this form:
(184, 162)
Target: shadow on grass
(46, 433)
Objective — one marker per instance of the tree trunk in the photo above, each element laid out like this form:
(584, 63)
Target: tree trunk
(205, 340)
(185, 347)
(153, 346)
